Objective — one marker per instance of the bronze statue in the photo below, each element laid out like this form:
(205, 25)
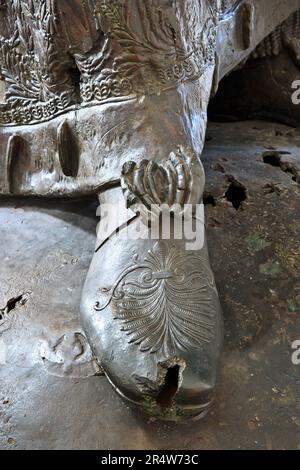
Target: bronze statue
(111, 97)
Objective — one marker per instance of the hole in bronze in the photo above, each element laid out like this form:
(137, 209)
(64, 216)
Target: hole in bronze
(236, 194)
(209, 200)
(11, 305)
(272, 158)
(169, 388)
(75, 76)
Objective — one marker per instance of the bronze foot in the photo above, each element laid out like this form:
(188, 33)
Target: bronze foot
(150, 307)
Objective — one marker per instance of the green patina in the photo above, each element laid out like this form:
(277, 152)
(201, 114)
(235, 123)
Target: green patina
(256, 242)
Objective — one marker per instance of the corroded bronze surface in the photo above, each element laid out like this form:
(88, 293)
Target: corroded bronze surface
(111, 97)
(49, 398)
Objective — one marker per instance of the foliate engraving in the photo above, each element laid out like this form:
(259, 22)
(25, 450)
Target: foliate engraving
(32, 63)
(180, 181)
(165, 301)
(130, 48)
(149, 48)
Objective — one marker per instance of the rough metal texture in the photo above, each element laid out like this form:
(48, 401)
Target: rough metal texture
(93, 89)
(49, 398)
